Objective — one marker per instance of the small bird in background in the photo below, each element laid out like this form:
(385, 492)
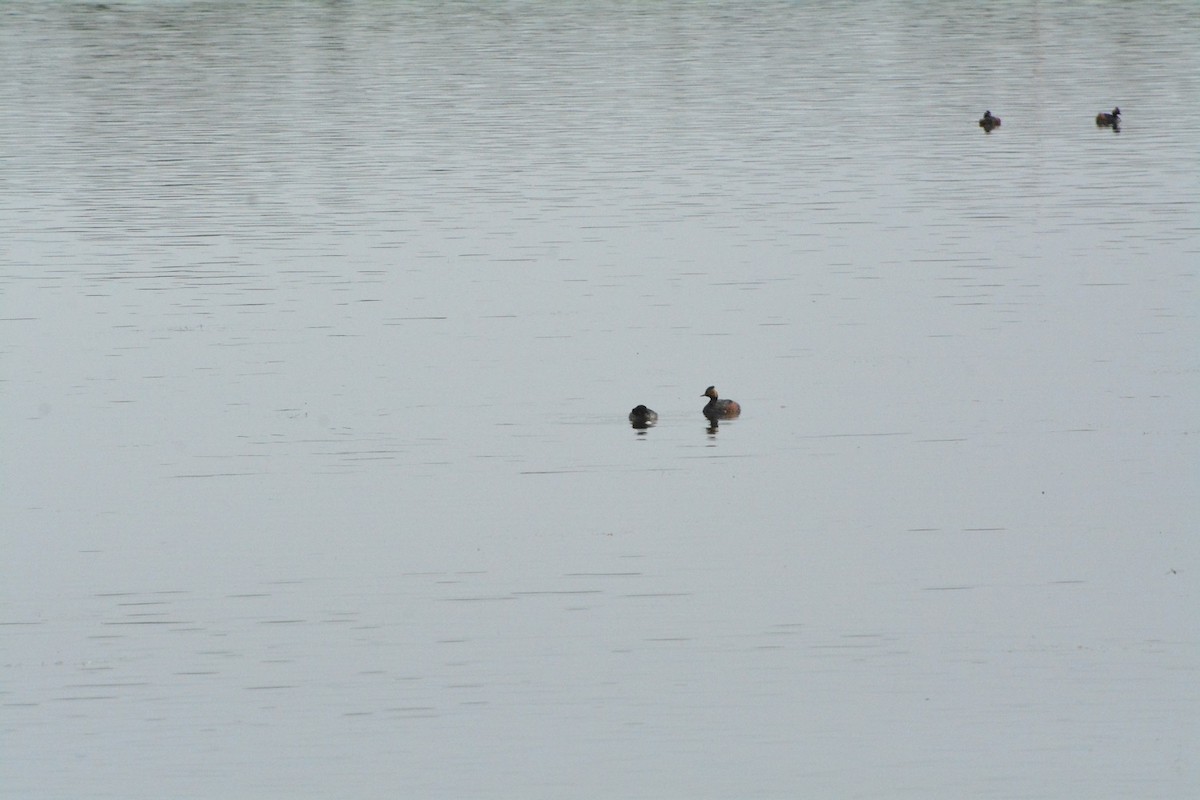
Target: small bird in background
(1106, 120)
(988, 122)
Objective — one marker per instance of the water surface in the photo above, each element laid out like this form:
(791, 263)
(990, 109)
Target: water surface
(321, 322)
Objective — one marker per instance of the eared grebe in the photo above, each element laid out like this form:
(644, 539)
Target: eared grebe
(643, 417)
(719, 409)
(1107, 120)
(988, 122)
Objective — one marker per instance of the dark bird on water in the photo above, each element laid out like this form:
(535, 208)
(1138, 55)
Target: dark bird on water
(718, 408)
(642, 417)
(1106, 120)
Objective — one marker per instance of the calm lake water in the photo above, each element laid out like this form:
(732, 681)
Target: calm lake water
(320, 323)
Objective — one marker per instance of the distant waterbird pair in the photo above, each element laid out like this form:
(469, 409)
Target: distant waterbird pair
(715, 409)
(1105, 119)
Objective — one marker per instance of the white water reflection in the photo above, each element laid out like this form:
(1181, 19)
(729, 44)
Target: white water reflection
(320, 327)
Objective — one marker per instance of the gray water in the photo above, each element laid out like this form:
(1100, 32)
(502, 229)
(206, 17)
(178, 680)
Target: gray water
(320, 323)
